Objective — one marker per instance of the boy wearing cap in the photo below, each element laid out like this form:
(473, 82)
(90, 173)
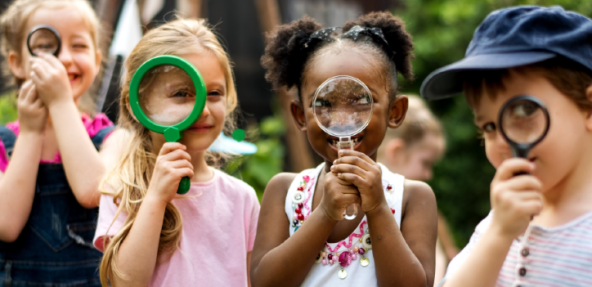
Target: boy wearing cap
(545, 53)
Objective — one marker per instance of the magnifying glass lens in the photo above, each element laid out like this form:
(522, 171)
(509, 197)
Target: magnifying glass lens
(342, 106)
(166, 95)
(43, 40)
(524, 121)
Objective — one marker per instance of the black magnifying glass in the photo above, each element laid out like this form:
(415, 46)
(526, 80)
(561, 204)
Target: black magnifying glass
(44, 39)
(524, 122)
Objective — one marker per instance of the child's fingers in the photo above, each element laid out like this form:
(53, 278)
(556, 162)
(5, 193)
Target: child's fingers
(181, 163)
(351, 178)
(348, 168)
(361, 155)
(177, 154)
(521, 183)
(24, 90)
(354, 160)
(171, 146)
(51, 60)
(512, 166)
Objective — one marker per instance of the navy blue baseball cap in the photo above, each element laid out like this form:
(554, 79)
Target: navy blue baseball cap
(514, 37)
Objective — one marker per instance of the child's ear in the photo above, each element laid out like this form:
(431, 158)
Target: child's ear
(589, 115)
(298, 115)
(98, 58)
(16, 66)
(397, 111)
(129, 109)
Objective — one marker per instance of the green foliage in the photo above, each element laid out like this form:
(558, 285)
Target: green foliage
(7, 108)
(259, 168)
(441, 30)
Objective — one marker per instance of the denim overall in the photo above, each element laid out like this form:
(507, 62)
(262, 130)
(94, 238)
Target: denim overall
(55, 247)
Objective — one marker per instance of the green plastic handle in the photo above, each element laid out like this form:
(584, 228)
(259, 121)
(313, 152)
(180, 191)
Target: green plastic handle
(184, 185)
(172, 133)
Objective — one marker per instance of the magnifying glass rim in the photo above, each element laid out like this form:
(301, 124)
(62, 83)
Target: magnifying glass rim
(54, 31)
(325, 129)
(198, 82)
(520, 98)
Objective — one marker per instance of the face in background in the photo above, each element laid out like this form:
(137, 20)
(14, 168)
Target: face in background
(416, 160)
(78, 53)
(199, 136)
(387, 112)
(558, 156)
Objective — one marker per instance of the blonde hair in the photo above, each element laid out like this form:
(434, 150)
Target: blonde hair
(418, 122)
(130, 178)
(12, 34)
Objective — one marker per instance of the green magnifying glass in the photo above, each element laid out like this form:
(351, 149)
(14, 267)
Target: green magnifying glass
(167, 95)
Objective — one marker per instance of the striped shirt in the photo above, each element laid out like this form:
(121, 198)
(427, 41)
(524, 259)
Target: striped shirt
(557, 256)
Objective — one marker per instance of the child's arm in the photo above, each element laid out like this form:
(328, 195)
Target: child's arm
(514, 200)
(283, 260)
(138, 252)
(82, 164)
(17, 185)
(403, 256)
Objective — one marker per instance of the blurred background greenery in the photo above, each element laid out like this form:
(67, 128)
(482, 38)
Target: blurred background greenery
(441, 31)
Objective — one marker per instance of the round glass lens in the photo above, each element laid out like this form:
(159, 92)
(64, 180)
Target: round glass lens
(524, 121)
(166, 95)
(342, 106)
(43, 40)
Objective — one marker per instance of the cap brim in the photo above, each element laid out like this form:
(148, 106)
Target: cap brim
(448, 80)
(225, 144)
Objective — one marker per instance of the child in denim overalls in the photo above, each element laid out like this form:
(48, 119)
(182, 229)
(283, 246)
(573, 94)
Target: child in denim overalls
(49, 165)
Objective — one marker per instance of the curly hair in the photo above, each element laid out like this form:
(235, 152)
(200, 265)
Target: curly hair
(288, 55)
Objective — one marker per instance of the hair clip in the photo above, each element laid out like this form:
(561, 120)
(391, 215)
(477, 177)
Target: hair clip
(374, 33)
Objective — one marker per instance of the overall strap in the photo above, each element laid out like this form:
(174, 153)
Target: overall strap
(98, 139)
(8, 138)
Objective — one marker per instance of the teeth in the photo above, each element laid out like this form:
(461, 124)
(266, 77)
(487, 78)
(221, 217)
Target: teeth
(335, 141)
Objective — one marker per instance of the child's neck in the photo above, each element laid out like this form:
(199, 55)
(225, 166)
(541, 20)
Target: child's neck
(571, 197)
(201, 171)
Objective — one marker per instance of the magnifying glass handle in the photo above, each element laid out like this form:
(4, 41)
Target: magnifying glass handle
(351, 211)
(184, 185)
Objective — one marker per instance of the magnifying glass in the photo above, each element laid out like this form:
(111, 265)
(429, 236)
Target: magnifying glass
(44, 39)
(167, 95)
(523, 121)
(342, 107)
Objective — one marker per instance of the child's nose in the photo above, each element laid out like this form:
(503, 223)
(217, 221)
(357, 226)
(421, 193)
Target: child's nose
(501, 143)
(65, 56)
(205, 113)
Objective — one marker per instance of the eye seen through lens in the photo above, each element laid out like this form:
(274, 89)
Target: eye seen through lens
(524, 121)
(166, 95)
(43, 40)
(342, 106)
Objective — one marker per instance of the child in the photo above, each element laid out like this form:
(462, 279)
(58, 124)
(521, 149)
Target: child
(48, 190)
(545, 53)
(392, 239)
(150, 236)
(411, 150)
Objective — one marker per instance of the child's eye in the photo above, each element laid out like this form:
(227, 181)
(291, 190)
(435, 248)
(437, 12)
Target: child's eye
(182, 94)
(322, 103)
(363, 100)
(214, 93)
(488, 127)
(80, 46)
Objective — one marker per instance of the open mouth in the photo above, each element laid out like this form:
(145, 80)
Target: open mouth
(73, 78)
(333, 141)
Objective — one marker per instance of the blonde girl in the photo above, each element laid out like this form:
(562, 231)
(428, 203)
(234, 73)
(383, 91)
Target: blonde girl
(150, 236)
(49, 165)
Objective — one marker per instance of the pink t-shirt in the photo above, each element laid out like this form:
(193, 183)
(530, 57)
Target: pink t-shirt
(93, 126)
(219, 226)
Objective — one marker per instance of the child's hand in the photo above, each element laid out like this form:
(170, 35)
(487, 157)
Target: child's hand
(51, 79)
(32, 114)
(336, 196)
(514, 199)
(172, 164)
(360, 170)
